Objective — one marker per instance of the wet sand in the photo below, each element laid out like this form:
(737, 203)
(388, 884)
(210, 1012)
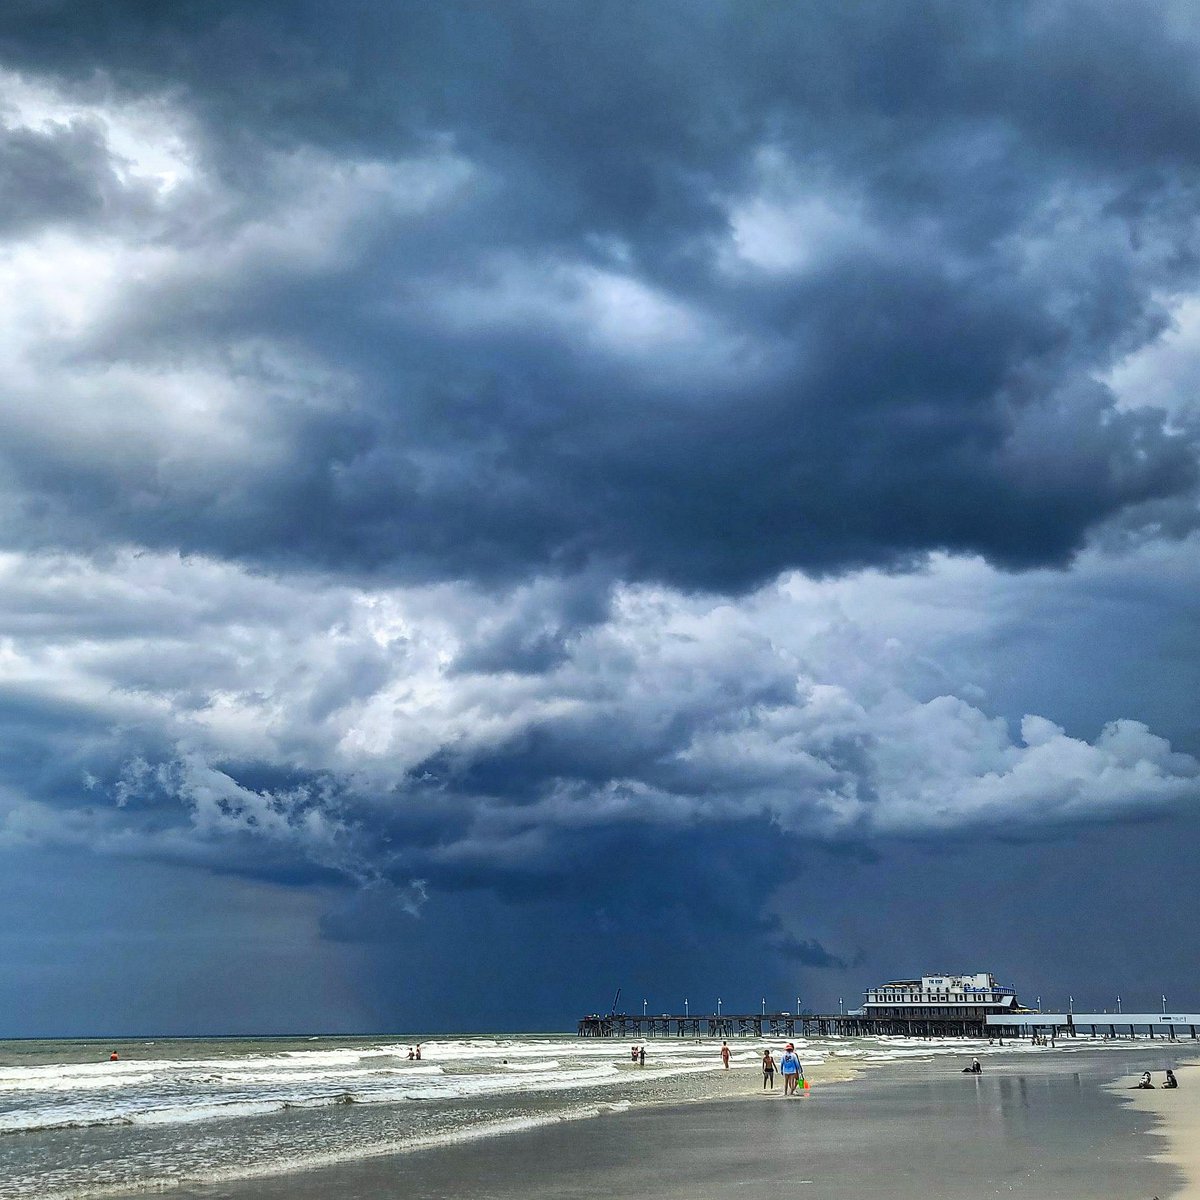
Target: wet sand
(1177, 1116)
(1038, 1125)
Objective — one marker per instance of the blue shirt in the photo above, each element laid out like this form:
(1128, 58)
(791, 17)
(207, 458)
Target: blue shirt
(789, 1064)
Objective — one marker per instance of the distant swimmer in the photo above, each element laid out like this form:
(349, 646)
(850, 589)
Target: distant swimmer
(768, 1071)
(725, 1054)
(411, 1054)
(418, 1053)
(114, 1057)
(1171, 1081)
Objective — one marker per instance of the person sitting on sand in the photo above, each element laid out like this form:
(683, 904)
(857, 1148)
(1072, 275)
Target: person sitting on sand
(768, 1070)
(1144, 1082)
(976, 1068)
(1171, 1081)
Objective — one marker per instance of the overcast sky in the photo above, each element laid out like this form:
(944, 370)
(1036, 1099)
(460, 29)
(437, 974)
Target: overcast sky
(501, 501)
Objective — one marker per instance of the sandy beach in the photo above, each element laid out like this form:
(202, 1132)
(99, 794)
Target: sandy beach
(1047, 1126)
(1177, 1121)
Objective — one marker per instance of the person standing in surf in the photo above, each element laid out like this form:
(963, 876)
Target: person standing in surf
(768, 1066)
(789, 1067)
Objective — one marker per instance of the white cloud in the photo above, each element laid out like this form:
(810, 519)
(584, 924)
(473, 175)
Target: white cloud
(780, 706)
(792, 220)
(1164, 373)
(601, 310)
(149, 136)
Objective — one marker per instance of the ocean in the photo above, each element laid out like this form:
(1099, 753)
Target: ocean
(199, 1113)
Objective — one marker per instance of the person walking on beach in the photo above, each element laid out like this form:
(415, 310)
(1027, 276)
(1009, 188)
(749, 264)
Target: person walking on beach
(768, 1071)
(789, 1067)
(633, 1053)
(641, 1056)
(725, 1054)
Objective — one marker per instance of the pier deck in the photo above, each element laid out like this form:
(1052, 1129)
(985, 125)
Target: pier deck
(789, 1025)
(773, 1025)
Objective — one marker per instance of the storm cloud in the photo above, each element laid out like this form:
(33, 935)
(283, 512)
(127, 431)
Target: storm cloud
(562, 454)
(712, 299)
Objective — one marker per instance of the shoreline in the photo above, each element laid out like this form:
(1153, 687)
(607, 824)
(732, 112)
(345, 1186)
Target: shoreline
(1176, 1115)
(912, 1129)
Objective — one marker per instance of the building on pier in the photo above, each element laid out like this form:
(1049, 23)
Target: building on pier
(967, 998)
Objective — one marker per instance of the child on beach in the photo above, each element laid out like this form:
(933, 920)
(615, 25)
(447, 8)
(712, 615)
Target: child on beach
(768, 1070)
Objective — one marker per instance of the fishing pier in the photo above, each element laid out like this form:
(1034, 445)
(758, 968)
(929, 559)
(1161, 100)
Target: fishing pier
(1169, 1026)
(931, 1006)
(773, 1025)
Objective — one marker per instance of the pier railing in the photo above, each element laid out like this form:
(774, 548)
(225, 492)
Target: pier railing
(1173, 1026)
(773, 1025)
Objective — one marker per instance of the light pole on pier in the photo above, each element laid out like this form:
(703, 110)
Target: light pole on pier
(643, 1008)
(797, 1006)
(686, 1013)
(1164, 1006)
(1118, 1005)
(1070, 1004)
(764, 1006)
(718, 1006)
(1039, 1003)
(841, 1006)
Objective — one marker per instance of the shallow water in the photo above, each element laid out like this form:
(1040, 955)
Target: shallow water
(1030, 1127)
(173, 1112)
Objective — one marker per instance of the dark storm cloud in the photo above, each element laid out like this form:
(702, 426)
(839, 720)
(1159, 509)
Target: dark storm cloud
(61, 175)
(600, 347)
(420, 392)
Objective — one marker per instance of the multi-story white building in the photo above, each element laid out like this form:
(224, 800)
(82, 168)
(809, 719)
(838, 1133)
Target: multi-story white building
(972, 997)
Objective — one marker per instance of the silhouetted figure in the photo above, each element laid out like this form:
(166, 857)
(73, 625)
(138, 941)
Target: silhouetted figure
(1171, 1081)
